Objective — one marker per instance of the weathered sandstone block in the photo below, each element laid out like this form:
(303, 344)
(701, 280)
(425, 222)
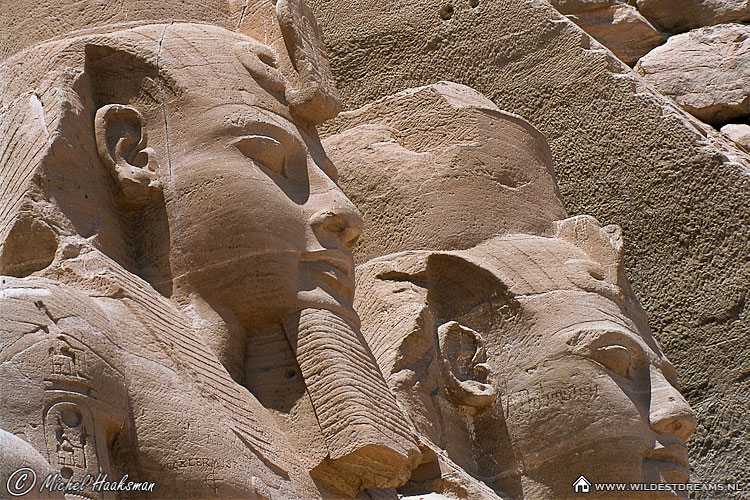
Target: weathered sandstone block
(616, 25)
(683, 15)
(707, 71)
(441, 167)
(739, 133)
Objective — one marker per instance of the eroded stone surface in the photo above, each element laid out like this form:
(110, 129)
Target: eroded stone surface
(707, 71)
(620, 28)
(616, 25)
(683, 15)
(441, 167)
(18, 458)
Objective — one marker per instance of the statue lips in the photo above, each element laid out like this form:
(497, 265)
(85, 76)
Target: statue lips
(336, 270)
(671, 461)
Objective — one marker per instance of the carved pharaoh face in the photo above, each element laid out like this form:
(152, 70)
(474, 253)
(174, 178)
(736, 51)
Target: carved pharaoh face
(260, 225)
(551, 327)
(205, 155)
(257, 225)
(585, 389)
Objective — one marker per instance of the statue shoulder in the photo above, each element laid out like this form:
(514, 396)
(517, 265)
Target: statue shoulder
(21, 466)
(60, 364)
(40, 313)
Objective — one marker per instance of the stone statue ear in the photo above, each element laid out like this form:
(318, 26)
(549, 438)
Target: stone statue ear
(121, 143)
(464, 368)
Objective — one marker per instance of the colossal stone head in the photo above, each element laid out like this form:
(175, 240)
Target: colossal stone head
(440, 167)
(186, 155)
(527, 361)
(510, 333)
(194, 170)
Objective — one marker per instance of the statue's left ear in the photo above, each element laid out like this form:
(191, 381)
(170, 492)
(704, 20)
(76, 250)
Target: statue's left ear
(121, 142)
(463, 366)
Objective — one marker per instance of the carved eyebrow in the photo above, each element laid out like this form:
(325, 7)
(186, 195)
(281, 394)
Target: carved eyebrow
(292, 144)
(243, 116)
(257, 126)
(602, 336)
(240, 124)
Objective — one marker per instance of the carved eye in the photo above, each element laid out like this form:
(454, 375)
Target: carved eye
(615, 358)
(264, 151)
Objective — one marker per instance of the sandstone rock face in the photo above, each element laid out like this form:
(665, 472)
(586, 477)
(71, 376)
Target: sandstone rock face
(707, 71)
(25, 23)
(441, 167)
(575, 6)
(739, 133)
(683, 15)
(622, 152)
(619, 27)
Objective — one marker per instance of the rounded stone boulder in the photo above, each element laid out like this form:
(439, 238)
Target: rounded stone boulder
(676, 16)
(620, 28)
(707, 71)
(739, 133)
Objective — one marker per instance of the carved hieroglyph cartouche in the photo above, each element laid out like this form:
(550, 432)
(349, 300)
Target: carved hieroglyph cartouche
(177, 271)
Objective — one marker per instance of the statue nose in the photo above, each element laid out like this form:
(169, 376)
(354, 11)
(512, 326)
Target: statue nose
(338, 226)
(669, 412)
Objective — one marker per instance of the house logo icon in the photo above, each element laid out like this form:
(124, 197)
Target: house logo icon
(581, 485)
